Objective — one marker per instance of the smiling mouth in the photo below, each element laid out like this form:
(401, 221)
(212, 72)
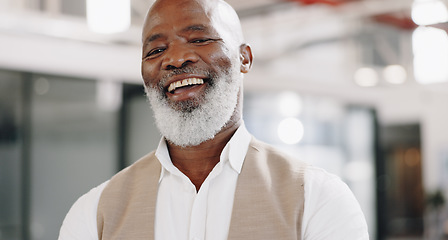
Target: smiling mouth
(184, 83)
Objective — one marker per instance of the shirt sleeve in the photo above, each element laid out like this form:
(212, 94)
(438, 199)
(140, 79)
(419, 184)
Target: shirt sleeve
(331, 210)
(80, 221)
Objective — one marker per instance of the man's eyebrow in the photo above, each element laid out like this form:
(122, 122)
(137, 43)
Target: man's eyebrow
(153, 38)
(196, 28)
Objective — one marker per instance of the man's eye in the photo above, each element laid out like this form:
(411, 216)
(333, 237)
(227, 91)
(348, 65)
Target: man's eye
(154, 52)
(201, 40)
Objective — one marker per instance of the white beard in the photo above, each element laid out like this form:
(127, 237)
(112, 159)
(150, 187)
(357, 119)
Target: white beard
(190, 128)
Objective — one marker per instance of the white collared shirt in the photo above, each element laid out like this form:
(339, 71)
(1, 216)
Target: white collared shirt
(331, 210)
(184, 214)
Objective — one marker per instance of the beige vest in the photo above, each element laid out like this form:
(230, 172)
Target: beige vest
(268, 203)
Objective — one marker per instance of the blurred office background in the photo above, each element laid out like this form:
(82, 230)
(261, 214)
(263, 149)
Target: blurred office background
(358, 87)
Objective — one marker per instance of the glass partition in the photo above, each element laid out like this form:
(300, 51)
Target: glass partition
(11, 145)
(73, 146)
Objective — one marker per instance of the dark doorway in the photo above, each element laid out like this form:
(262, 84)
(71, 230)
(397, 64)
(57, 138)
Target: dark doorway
(400, 190)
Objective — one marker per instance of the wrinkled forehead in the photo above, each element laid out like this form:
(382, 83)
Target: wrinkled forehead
(216, 14)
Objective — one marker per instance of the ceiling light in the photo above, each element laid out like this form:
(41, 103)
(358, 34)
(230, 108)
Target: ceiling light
(108, 16)
(395, 74)
(430, 47)
(426, 12)
(366, 77)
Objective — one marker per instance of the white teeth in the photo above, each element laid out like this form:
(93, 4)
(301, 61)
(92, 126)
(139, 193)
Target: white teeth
(182, 83)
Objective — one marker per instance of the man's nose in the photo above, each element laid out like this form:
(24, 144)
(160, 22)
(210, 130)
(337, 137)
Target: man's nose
(179, 56)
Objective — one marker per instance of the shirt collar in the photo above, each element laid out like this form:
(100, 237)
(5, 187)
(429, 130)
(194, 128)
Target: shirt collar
(237, 147)
(235, 151)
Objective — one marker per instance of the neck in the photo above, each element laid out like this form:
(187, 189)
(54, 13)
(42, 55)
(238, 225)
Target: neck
(196, 162)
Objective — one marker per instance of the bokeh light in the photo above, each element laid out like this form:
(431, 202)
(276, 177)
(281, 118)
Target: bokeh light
(290, 130)
(366, 77)
(395, 74)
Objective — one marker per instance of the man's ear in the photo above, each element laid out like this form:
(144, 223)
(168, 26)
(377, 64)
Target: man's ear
(245, 58)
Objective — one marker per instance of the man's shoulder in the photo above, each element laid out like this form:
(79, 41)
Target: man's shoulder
(275, 156)
(331, 209)
(268, 152)
(147, 166)
(80, 220)
(129, 197)
(147, 161)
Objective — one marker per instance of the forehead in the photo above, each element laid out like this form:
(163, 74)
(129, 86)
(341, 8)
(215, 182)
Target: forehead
(176, 15)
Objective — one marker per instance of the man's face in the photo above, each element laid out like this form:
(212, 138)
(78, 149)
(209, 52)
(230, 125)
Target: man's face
(190, 70)
(184, 52)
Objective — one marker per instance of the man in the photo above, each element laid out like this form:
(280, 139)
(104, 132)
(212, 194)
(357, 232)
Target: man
(209, 178)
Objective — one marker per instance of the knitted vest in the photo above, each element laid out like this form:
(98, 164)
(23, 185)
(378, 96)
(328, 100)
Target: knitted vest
(268, 204)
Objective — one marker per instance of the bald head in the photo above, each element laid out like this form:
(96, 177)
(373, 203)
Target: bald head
(219, 14)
